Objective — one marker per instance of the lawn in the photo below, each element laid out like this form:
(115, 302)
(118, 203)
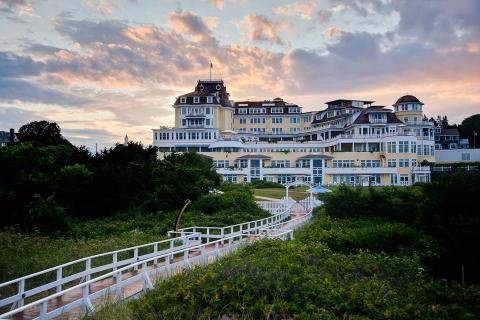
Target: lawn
(298, 193)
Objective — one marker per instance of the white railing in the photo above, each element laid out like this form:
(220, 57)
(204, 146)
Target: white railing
(195, 245)
(83, 269)
(275, 207)
(284, 230)
(310, 203)
(143, 271)
(251, 227)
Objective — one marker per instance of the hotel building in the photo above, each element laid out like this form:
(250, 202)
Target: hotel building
(349, 141)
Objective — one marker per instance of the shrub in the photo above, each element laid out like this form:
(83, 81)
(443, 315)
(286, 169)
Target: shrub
(43, 214)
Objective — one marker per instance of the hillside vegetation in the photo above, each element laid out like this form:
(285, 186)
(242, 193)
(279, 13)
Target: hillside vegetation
(370, 253)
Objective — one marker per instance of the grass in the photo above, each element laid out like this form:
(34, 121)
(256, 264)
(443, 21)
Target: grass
(335, 268)
(298, 193)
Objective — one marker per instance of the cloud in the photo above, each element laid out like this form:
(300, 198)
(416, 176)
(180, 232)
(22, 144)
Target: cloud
(21, 7)
(218, 4)
(333, 32)
(190, 23)
(323, 16)
(129, 73)
(262, 29)
(15, 89)
(304, 10)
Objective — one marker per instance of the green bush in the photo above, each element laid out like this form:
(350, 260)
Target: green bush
(283, 280)
(43, 214)
(375, 235)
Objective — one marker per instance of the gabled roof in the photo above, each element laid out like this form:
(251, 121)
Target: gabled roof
(325, 119)
(363, 116)
(450, 132)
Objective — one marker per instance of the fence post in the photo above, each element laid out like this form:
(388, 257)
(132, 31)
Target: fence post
(59, 277)
(21, 290)
(135, 258)
(88, 266)
(115, 261)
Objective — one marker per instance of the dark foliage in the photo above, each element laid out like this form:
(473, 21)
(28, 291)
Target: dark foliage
(446, 209)
(41, 133)
(46, 171)
(468, 128)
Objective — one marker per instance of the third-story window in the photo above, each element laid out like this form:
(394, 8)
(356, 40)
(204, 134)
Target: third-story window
(280, 163)
(277, 120)
(403, 147)
(209, 99)
(413, 147)
(391, 147)
(183, 100)
(196, 99)
(403, 163)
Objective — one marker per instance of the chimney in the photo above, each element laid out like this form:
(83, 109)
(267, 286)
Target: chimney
(12, 135)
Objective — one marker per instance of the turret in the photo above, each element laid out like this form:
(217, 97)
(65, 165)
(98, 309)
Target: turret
(409, 109)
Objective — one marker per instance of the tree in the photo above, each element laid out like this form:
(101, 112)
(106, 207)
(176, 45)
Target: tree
(468, 128)
(41, 133)
(183, 176)
(445, 122)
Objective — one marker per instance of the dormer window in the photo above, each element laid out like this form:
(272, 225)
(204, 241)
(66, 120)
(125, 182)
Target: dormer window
(196, 99)
(183, 99)
(209, 99)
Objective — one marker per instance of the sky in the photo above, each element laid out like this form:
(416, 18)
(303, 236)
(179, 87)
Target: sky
(105, 68)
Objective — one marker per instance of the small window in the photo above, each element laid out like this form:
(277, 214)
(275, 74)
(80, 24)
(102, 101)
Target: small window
(196, 99)
(209, 99)
(183, 100)
(218, 87)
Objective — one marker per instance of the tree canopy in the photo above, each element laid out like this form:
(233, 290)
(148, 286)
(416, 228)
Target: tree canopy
(48, 174)
(41, 133)
(468, 128)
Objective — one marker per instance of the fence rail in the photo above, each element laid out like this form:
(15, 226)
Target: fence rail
(84, 268)
(118, 270)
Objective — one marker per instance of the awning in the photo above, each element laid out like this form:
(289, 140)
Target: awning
(319, 189)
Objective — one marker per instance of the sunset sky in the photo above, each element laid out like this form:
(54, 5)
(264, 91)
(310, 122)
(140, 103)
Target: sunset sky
(104, 68)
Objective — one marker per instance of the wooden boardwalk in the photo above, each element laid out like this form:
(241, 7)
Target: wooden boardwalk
(139, 285)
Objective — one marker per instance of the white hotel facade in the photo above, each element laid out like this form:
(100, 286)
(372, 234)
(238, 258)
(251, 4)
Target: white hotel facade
(349, 141)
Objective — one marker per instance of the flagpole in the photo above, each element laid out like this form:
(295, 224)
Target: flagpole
(210, 70)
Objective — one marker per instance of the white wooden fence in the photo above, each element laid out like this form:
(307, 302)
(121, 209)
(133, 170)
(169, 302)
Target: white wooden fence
(145, 263)
(83, 269)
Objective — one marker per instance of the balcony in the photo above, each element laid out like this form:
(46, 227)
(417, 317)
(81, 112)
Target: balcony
(424, 169)
(195, 115)
(294, 170)
(360, 170)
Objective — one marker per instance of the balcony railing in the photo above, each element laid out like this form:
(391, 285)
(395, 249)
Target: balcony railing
(421, 169)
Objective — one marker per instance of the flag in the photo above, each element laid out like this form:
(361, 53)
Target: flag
(211, 65)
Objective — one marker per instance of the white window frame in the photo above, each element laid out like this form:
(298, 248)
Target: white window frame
(209, 99)
(183, 99)
(196, 99)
